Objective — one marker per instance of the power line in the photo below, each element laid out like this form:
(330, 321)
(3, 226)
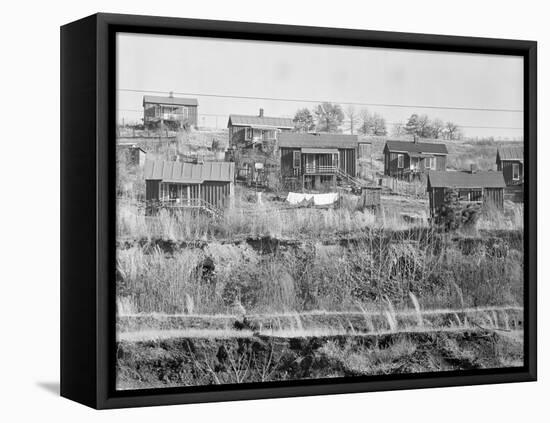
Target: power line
(388, 123)
(409, 106)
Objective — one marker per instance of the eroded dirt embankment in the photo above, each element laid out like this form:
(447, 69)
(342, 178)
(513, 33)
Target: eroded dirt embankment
(206, 361)
(468, 244)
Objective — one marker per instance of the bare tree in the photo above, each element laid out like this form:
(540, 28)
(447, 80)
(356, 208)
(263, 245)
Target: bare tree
(451, 130)
(353, 117)
(398, 129)
(366, 121)
(437, 128)
(424, 126)
(379, 125)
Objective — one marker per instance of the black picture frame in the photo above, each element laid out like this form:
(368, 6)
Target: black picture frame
(87, 208)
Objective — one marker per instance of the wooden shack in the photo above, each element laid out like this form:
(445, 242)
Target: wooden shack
(133, 154)
(409, 160)
(471, 186)
(510, 162)
(315, 159)
(169, 112)
(176, 185)
(246, 131)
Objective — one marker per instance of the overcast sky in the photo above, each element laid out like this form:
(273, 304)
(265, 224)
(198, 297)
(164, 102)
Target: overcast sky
(320, 73)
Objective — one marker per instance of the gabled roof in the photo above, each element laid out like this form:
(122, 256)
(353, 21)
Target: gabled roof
(301, 140)
(416, 147)
(170, 101)
(260, 121)
(478, 179)
(510, 153)
(189, 173)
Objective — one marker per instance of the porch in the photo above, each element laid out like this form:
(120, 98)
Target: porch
(316, 161)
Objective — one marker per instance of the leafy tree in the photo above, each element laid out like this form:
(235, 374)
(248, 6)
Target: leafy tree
(329, 117)
(452, 215)
(303, 120)
(412, 125)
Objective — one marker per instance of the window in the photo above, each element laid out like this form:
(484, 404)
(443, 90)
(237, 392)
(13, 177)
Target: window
(296, 159)
(430, 162)
(470, 195)
(515, 171)
(248, 134)
(400, 161)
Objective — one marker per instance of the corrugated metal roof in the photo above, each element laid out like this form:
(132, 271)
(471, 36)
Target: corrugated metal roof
(466, 179)
(170, 101)
(301, 140)
(416, 147)
(264, 121)
(510, 153)
(188, 172)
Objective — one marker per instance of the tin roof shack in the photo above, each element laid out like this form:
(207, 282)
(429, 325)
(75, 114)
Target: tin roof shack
(316, 159)
(510, 163)
(170, 112)
(174, 185)
(471, 186)
(409, 160)
(133, 154)
(256, 131)
(253, 146)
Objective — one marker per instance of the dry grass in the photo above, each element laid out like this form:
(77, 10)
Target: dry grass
(373, 270)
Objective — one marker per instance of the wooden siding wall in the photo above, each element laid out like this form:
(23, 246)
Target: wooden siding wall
(505, 166)
(215, 193)
(494, 196)
(391, 169)
(153, 111)
(192, 115)
(348, 157)
(490, 195)
(152, 190)
(347, 160)
(287, 155)
(514, 193)
(437, 196)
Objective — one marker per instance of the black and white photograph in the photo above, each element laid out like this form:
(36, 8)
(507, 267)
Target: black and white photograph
(289, 211)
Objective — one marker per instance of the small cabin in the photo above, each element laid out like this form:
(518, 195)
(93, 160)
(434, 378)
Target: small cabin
(169, 112)
(133, 154)
(510, 163)
(259, 131)
(207, 186)
(412, 159)
(315, 159)
(471, 186)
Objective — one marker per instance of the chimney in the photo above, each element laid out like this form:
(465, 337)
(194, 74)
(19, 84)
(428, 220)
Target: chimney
(473, 168)
(261, 112)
